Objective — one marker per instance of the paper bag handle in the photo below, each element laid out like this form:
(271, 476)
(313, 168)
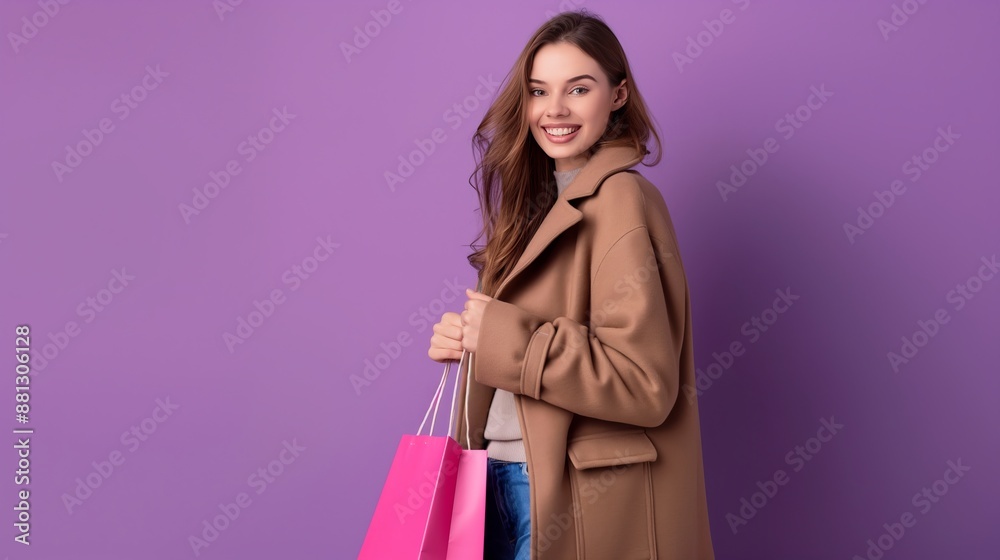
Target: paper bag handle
(436, 400)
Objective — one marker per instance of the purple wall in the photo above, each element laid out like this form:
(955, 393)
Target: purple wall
(148, 385)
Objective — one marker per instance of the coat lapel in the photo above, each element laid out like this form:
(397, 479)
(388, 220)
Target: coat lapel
(563, 215)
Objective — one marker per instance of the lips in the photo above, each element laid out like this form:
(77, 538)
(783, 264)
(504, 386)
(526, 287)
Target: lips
(560, 130)
(561, 134)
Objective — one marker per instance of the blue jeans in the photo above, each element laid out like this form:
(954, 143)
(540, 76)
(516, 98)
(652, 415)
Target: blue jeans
(508, 517)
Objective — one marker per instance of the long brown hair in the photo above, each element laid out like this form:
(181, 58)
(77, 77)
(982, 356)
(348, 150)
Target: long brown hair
(513, 175)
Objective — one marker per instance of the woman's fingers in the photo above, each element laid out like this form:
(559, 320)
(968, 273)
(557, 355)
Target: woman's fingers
(446, 342)
(449, 329)
(443, 355)
(452, 318)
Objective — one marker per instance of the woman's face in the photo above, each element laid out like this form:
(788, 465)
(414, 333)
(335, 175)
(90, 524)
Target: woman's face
(568, 92)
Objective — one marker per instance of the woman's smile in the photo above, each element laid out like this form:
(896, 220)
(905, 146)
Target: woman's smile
(561, 135)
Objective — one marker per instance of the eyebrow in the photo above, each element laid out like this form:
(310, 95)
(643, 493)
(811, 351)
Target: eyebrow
(574, 79)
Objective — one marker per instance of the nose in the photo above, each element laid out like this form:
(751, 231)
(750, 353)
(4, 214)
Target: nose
(556, 107)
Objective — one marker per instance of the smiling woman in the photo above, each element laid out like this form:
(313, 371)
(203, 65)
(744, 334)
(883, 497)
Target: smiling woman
(579, 331)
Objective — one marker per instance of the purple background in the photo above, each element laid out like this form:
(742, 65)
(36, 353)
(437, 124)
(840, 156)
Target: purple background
(322, 175)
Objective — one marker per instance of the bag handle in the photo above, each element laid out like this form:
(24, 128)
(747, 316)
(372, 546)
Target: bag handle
(468, 377)
(436, 400)
(465, 398)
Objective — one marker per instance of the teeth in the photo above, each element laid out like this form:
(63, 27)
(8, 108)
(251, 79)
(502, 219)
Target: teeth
(561, 131)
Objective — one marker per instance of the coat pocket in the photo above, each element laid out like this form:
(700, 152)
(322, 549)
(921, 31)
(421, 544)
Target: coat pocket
(613, 495)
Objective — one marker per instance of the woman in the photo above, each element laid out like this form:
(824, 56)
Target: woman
(582, 386)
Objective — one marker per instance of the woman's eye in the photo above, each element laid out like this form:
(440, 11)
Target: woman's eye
(583, 90)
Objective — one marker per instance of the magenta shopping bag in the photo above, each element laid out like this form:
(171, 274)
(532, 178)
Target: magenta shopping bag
(468, 517)
(414, 514)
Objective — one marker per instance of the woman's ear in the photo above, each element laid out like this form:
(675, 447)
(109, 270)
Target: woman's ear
(620, 96)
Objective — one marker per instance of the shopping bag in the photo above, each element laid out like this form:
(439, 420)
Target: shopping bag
(413, 516)
(468, 518)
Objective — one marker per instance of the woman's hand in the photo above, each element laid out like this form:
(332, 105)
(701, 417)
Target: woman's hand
(457, 332)
(446, 343)
(472, 318)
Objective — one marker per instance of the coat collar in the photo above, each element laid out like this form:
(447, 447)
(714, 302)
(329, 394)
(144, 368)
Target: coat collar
(605, 162)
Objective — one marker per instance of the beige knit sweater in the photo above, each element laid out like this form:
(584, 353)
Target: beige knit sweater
(502, 428)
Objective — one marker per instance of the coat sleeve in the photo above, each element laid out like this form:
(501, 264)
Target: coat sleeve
(623, 365)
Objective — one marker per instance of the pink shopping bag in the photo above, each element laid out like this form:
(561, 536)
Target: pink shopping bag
(414, 514)
(468, 518)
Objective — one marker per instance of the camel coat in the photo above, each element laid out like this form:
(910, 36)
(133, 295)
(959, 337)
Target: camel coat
(591, 331)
